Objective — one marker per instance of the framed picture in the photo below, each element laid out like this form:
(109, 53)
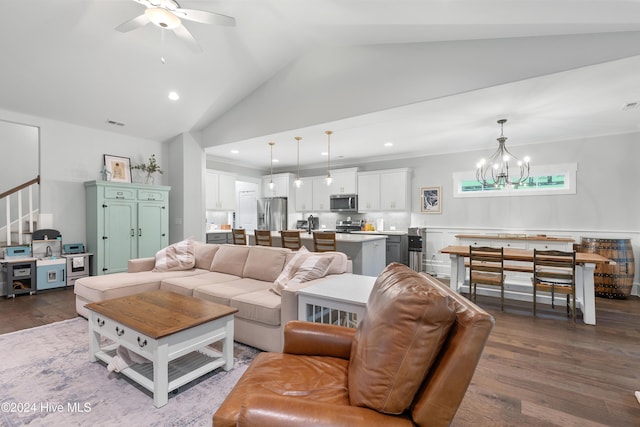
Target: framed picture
(117, 169)
(430, 200)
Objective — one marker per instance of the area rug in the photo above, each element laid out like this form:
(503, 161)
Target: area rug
(47, 380)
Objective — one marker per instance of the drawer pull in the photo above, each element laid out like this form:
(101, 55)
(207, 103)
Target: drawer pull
(119, 331)
(100, 322)
(142, 343)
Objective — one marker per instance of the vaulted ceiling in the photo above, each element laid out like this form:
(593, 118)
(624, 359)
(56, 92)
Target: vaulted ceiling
(428, 76)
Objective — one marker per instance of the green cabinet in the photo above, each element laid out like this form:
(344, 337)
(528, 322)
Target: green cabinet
(125, 221)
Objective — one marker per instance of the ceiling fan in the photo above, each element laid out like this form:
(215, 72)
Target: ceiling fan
(168, 14)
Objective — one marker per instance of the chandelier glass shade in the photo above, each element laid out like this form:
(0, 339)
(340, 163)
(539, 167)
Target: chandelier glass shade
(298, 181)
(502, 168)
(328, 179)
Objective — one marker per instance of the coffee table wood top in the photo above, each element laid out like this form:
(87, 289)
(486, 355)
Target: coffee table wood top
(160, 313)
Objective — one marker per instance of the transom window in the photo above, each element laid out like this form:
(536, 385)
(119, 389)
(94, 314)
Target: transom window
(543, 180)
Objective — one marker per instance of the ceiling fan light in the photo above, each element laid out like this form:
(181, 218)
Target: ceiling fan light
(162, 18)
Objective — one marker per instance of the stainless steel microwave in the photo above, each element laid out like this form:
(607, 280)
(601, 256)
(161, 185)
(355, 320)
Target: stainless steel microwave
(343, 203)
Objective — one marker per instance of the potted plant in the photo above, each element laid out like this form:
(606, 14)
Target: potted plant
(150, 168)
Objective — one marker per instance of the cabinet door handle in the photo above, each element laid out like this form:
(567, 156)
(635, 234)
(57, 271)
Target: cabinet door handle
(139, 232)
(119, 332)
(142, 342)
(133, 232)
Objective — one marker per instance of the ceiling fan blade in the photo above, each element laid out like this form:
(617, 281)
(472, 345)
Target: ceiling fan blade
(185, 35)
(132, 24)
(206, 17)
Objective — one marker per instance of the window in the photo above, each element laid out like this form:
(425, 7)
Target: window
(543, 180)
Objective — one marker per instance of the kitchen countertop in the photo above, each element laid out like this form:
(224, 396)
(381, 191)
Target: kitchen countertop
(340, 237)
(219, 232)
(385, 232)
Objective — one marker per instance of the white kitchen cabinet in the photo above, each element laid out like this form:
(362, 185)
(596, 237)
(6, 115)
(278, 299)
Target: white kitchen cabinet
(385, 190)
(220, 191)
(393, 190)
(304, 195)
(282, 185)
(368, 191)
(320, 195)
(345, 181)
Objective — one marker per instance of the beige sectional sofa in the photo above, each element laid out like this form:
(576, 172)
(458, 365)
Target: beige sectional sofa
(237, 276)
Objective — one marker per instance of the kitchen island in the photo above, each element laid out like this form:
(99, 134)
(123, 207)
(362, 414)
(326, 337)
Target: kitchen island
(367, 252)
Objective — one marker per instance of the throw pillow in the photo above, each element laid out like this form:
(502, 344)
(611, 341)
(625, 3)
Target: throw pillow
(179, 256)
(404, 327)
(289, 270)
(313, 267)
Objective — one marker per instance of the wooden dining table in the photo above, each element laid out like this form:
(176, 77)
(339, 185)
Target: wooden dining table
(585, 266)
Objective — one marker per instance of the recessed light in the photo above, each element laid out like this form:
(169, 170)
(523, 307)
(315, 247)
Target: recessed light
(275, 160)
(174, 96)
(234, 152)
(388, 144)
(324, 153)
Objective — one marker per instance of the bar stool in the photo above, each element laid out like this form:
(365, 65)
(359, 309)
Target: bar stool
(239, 236)
(291, 239)
(263, 237)
(324, 241)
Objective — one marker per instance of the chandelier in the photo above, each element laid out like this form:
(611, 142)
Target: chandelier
(496, 172)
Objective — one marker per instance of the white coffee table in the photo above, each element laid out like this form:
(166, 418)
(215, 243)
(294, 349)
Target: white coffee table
(173, 331)
(339, 299)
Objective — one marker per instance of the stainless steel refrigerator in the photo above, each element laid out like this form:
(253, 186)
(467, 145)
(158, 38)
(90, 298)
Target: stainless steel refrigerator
(272, 213)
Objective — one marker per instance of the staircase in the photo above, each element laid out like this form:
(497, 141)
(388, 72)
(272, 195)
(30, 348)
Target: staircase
(19, 218)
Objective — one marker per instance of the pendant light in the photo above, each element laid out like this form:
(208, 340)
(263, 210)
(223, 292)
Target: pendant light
(328, 179)
(298, 181)
(271, 184)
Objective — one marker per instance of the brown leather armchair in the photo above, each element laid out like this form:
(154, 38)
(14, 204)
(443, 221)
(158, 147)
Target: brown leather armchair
(409, 363)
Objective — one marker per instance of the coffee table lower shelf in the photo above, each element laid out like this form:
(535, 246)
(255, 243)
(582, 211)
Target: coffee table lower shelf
(181, 371)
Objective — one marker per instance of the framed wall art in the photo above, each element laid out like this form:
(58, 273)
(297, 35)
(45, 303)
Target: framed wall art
(117, 169)
(430, 200)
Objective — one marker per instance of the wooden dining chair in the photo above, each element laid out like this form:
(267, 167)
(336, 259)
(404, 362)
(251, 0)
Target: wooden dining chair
(486, 267)
(291, 239)
(239, 236)
(555, 272)
(324, 241)
(263, 237)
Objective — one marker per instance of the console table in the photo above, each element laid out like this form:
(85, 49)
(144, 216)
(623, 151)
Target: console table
(340, 299)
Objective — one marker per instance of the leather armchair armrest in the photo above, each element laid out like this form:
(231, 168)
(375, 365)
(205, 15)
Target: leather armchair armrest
(284, 411)
(317, 339)
(141, 264)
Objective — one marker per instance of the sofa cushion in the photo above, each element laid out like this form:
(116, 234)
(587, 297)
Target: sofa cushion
(264, 263)
(230, 259)
(204, 254)
(179, 256)
(222, 293)
(399, 337)
(261, 306)
(186, 285)
(100, 288)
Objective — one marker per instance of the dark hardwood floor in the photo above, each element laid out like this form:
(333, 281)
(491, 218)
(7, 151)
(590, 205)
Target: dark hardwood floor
(543, 371)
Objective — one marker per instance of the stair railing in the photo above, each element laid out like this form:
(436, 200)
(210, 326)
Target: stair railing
(7, 195)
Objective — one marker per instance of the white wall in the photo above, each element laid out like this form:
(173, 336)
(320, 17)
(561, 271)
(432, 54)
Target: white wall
(71, 155)
(186, 201)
